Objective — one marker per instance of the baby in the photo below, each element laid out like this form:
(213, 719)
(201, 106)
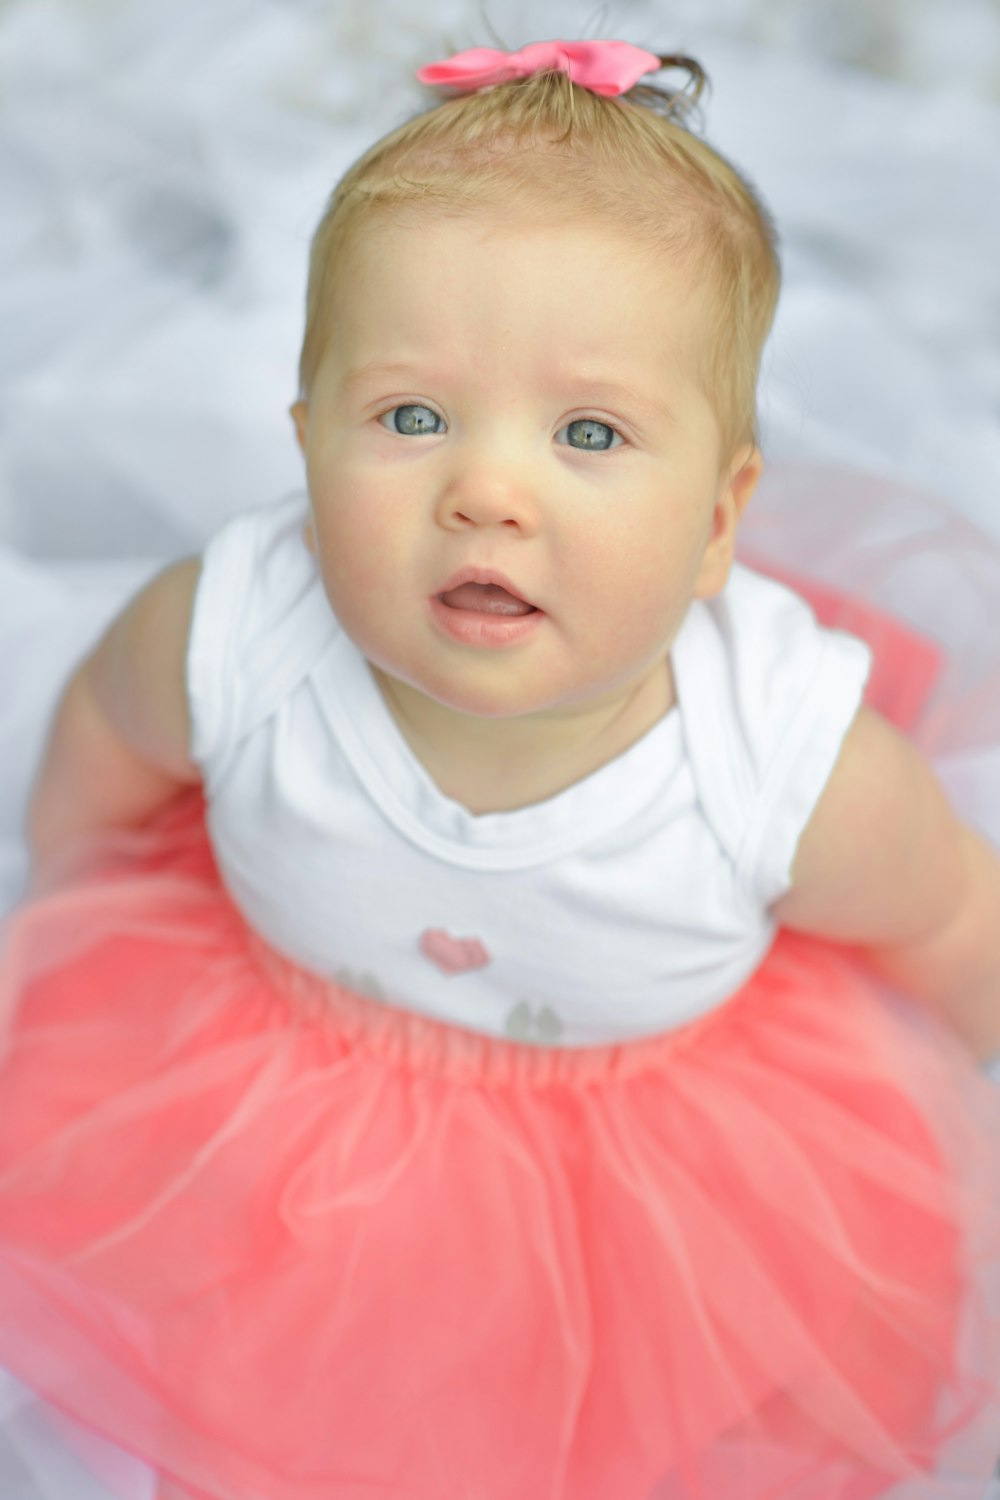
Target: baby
(454, 1122)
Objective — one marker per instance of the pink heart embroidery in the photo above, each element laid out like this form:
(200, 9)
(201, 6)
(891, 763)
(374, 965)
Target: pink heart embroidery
(453, 955)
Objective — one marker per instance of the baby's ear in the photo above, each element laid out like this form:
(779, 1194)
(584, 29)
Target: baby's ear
(299, 413)
(734, 494)
(744, 476)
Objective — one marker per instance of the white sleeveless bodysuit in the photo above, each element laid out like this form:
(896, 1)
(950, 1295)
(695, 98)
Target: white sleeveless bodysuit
(625, 905)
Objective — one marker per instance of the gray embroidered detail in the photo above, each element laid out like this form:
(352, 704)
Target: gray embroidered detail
(524, 1026)
(362, 984)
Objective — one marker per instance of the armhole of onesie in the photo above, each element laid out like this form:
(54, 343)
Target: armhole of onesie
(211, 676)
(801, 766)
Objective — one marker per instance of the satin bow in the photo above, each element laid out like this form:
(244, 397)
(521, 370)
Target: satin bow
(603, 67)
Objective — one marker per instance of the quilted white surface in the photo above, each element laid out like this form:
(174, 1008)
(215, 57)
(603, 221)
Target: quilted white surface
(162, 166)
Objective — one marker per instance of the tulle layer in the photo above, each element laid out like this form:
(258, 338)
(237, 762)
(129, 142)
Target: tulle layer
(284, 1243)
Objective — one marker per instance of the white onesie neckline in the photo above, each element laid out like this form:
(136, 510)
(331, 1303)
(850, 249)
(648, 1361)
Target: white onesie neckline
(648, 882)
(407, 795)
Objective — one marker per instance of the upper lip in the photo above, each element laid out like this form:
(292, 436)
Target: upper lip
(483, 575)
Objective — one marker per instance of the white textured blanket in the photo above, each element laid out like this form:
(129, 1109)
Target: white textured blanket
(162, 166)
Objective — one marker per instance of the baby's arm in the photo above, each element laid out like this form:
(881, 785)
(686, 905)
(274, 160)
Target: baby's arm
(884, 865)
(118, 744)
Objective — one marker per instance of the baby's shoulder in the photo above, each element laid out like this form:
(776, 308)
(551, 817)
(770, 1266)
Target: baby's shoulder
(256, 572)
(262, 546)
(766, 696)
(260, 623)
(758, 648)
(755, 610)
(752, 619)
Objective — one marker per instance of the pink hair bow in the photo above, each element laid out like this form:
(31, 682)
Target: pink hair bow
(602, 67)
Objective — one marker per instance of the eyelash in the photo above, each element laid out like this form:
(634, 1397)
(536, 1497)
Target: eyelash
(576, 421)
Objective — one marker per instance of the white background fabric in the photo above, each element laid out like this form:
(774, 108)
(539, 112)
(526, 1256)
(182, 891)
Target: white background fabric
(162, 166)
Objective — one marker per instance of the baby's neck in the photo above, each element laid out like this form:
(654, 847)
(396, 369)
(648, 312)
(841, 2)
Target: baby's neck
(498, 765)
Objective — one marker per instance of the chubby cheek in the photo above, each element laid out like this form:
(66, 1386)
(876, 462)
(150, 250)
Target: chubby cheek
(355, 581)
(636, 594)
(642, 625)
(362, 550)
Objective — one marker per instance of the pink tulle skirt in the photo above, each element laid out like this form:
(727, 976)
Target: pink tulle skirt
(283, 1242)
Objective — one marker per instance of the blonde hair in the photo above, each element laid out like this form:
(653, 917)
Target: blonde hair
(548, 147)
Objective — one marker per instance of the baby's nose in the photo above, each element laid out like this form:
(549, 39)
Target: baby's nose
(489, 494)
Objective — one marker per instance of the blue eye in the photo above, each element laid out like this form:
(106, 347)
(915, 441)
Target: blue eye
(589, 436)
(412, 421)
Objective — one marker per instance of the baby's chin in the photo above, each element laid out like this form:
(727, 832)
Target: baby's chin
(571, 711)
(477, 700)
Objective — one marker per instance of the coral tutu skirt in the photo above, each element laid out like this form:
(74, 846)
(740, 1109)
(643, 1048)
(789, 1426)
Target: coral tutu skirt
(282, 1242)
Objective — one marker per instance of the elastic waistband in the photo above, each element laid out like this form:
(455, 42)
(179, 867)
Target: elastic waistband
(418, 1042)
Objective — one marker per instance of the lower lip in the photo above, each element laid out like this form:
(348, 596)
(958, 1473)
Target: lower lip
(475, 627)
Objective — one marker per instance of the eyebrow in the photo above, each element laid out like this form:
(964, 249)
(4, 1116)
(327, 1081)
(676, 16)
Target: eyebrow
(377, 370)
(615, 393)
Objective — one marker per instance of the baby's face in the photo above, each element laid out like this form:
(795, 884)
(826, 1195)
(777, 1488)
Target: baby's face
(518, 400)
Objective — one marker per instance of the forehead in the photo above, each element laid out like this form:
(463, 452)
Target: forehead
(578, 291)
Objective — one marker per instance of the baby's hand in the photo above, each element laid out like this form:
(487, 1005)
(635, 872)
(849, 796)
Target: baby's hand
(885, 865)
(118, 744)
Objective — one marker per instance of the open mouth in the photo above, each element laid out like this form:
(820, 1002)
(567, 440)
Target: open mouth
(486, 598)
